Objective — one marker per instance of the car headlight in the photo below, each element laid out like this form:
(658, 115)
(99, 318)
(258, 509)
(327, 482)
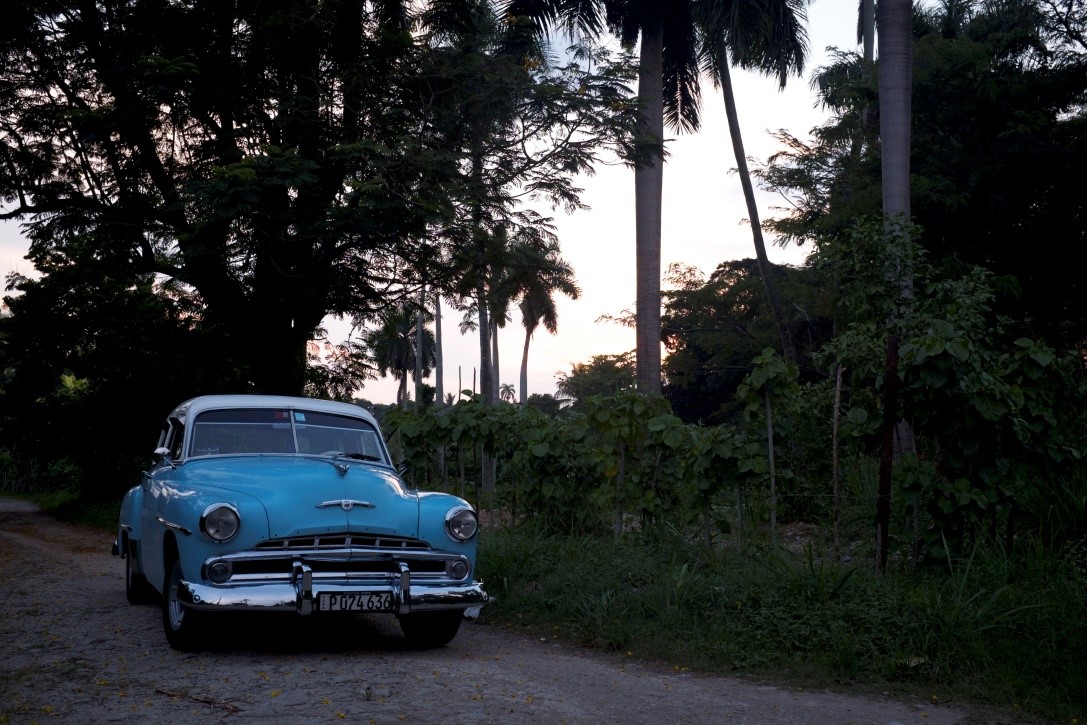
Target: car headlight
(220, 522)
(461, 524)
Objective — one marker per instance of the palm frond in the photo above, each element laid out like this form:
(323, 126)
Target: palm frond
(682, 95)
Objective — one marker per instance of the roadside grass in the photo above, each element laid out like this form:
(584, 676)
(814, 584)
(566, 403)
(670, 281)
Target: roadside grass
(997, 632)
(100, 515)
(67, 505)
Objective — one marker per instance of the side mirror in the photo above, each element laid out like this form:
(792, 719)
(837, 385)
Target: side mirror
(162, 455)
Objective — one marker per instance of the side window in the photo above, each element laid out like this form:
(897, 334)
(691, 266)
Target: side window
(164, 435)
(176, 438)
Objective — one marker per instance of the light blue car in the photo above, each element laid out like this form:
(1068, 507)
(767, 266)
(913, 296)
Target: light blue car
(264, 503)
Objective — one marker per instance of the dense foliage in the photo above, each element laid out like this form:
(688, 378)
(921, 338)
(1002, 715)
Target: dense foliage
(224, 176)
(992, 630)
(999, 421)
(999, 132)
(202, 183)
(280, 162)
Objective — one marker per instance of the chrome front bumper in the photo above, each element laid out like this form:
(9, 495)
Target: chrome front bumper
(302, 593)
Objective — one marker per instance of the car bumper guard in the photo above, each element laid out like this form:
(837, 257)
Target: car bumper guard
(301, 594)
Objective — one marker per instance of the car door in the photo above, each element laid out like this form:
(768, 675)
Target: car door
(154, 485)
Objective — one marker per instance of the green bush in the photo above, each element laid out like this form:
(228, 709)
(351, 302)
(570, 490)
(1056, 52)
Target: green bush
(996, 629)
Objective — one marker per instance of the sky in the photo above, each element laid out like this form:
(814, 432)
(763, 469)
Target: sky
(703, 224)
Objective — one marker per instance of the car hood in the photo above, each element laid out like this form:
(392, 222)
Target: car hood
(312, 495)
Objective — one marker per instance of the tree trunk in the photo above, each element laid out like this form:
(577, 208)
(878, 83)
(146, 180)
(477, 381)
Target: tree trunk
(648, 187)
(439, 366)
(868, 29)
(773, 473)
(484, 347)
(895, 83)
(485, 376)
(835, 472)
(420, 326)
(895, 86)
(276, 354)
(619, 480)
(524, 368)
(495, 371)
(766, 272)
(883, 495)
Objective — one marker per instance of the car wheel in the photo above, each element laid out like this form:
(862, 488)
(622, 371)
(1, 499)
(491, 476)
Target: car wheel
(183, 626)
(137, 590)
(431, 629)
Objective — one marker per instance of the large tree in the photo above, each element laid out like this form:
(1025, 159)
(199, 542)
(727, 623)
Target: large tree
(401, 346)
(545, 274)
(668, 91)
(521, 126)
(714, 327)
(768, 37)
(998, 127)
(92, 357)
(602, 375)
(272, 157)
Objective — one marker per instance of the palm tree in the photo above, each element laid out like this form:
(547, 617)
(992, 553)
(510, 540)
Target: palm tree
(439, 362)
(866, 29)
(538, 303)
(895, 82)
(511, 146)
(393, 346)
(667, 92)
(895, 85)
(507, 392)
(768, 37)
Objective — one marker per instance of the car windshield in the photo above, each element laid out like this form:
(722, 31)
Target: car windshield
(268, 430)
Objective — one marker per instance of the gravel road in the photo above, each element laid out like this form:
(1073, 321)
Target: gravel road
(72, 650)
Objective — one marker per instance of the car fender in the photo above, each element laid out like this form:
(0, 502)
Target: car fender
(178, 521)
(433, 508)
(128, 529)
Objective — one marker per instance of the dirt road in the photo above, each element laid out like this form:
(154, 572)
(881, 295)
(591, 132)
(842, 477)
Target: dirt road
(72, 650)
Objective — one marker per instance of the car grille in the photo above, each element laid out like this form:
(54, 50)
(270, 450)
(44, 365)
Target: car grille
(343, 541)
(338, 555)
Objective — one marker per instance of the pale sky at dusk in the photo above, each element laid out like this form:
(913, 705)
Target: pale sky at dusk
(703, 217)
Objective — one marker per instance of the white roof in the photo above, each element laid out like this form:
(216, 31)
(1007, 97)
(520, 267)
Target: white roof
(198, 405)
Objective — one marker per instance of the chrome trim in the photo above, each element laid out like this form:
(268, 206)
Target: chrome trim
(346, 504)
(172, 525)
(302, 581)
(335, 556)
(342, 540)
(449, 517)
(208, 510)
(287, 597)
(405, 586)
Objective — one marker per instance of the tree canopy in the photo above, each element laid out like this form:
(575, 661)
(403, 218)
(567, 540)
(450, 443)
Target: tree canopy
(999, 133)
(281, 161)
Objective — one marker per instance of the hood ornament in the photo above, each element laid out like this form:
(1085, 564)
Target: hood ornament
(346, 504)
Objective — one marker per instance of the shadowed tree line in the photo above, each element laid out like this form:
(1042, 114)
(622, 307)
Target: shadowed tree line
(209, 181)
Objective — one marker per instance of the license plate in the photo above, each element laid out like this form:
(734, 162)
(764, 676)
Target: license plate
(356, 602)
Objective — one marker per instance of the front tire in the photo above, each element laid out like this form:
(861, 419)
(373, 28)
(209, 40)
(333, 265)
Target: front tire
(428, 630)
(184, 627)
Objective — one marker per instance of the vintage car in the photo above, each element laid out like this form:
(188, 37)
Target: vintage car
(264, 503)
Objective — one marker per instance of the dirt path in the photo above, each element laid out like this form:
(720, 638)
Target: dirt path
(72, 650)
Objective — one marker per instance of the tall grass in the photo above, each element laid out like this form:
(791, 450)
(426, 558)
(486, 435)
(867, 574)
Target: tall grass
(1002, 632)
